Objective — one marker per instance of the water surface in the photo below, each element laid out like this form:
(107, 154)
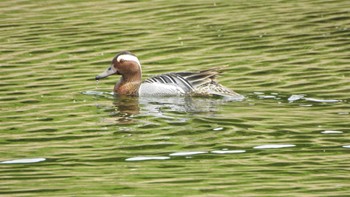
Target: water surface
(64, 134)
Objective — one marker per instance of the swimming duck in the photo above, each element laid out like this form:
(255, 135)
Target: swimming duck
(200, 83)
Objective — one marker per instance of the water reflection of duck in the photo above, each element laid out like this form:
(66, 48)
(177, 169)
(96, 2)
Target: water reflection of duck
(126, 107)
(200, 83)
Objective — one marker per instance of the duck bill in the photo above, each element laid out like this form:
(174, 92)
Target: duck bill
(109, 71)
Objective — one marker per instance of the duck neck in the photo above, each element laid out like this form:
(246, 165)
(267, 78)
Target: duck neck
(128, 85)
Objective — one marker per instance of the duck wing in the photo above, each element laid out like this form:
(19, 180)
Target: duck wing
(200, 83)
(188, 81)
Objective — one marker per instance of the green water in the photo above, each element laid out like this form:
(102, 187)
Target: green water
(84, 142)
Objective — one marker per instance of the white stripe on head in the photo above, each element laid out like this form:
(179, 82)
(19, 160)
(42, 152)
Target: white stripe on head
(129, 57)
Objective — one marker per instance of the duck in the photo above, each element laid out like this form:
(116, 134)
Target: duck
(197, 83)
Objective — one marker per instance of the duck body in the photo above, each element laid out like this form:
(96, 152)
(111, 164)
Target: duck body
(200, 83)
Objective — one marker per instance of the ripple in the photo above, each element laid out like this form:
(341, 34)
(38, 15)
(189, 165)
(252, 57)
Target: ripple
(96, 93)
(146, 158)
(91, 92)
(323, 100)
(331, 132)
(218, 129)
(51, 51)
(295, 97)
(187, 153)
(306, 105)
(267, 97)
(268, 146)
(23, 161)
(227, 151)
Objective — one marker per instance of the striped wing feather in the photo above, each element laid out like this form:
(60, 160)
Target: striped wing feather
(201, 83)
(188, 81)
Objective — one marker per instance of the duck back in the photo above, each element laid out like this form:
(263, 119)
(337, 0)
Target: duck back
(201, 83)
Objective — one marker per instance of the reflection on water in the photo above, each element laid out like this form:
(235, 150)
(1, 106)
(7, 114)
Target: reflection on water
(126, 107)
(181, 104)
(267, 146)
(331, 132)
(23, 161)
(145, 158)
(290, 136)
(227, 151)
(187, 153)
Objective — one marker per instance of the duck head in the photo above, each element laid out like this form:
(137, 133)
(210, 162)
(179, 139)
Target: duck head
(128, 66)
(125, 64)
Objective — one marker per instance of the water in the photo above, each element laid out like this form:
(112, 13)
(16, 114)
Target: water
(65, 135)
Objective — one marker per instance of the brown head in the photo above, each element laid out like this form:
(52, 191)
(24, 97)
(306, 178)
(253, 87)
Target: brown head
(128, 66)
